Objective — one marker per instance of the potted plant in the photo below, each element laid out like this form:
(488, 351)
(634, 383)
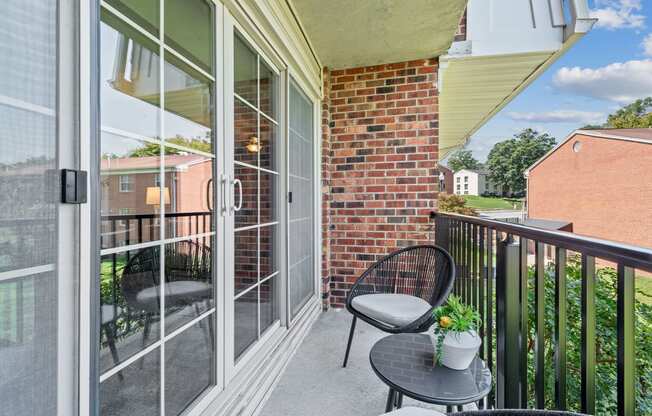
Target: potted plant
(454, 336)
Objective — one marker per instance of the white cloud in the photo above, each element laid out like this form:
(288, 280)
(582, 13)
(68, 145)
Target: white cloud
(619, 14)
(647, 45)
(559, 116)
(618, 82)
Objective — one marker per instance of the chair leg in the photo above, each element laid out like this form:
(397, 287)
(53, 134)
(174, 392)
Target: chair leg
(348, 345)
(146, 329)
(110, 340)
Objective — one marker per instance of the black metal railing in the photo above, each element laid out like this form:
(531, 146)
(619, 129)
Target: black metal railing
(539, 342)
(124, 230)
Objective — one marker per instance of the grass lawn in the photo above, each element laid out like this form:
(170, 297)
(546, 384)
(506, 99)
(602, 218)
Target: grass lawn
(485, 203)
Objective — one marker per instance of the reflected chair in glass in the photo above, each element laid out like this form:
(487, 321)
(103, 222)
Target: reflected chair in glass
(418, 411)
(398, 293)
(187, 284)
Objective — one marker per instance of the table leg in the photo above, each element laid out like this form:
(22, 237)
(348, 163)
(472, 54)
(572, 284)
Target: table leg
(399, 400)
(390, 401)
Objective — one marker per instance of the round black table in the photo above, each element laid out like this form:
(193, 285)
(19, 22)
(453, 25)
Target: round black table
(405, 363)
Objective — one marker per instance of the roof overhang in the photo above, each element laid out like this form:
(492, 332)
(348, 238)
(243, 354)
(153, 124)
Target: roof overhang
(347, 33)
(474, 89)
(500, 58)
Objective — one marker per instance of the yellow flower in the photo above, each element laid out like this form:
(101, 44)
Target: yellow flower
(445, 321)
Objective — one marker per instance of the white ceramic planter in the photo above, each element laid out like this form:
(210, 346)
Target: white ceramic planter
(458, 349)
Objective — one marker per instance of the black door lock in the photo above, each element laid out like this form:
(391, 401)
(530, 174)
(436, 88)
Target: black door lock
(73, 186)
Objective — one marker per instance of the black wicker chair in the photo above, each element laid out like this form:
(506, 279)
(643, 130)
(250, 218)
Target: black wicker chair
(397, 293)
(415, 411)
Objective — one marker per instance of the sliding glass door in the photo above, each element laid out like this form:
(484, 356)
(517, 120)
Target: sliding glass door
(255, 215)
(158, 229)
(301, 185)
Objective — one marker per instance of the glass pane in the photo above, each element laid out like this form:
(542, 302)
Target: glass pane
(246, 259)
(245, 71)
(268, 197)
(129, 81)
(268, 255)
(268, 303)
(246, 144)
(145, 13)
(268, 144)
(130, 191)
(28, 345)
(142, 397)
(188, 29)
(189, 187)
(248, 213)
(189, 365)
(188, 106)
(301, 183)
(188, 281)
(268, 90)
(28, 209)
(129, 297)
(246, 321)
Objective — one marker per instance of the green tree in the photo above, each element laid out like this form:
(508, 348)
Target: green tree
(152, 149)
(636, 115)
(455, 204)
(509, 159)
(463, 159)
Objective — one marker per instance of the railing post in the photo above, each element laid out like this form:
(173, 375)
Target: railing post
(587, 390)
(626, 355)
(507, 324)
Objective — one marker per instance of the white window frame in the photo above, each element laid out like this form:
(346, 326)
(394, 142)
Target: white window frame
(126, 183)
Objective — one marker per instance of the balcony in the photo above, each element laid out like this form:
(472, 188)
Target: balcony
(567, 306)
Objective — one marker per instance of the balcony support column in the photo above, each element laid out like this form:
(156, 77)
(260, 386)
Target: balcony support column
(507, 324)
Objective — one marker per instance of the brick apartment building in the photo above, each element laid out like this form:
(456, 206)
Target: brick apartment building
(600, 181)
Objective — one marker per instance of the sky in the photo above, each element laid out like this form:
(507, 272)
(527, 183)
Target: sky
(607, 69)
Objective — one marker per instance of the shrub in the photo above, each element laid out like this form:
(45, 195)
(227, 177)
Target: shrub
(454, 204)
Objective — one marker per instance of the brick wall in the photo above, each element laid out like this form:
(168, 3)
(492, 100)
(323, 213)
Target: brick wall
(381, 180)
(604, 189)
(461, 29)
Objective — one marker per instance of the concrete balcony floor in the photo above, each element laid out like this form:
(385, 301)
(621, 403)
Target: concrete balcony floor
(315, 383)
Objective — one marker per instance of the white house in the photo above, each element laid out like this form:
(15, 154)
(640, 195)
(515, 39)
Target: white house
(473, 182)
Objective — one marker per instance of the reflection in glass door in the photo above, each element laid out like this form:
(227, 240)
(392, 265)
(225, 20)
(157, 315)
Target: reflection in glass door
(301, 185)
(37, 298)
(157, 333)
(255, 183)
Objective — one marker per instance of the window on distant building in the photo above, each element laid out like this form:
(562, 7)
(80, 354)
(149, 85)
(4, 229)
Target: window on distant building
(458, 178)
(126, 183)
(466, 186)
(157, 179)
(466, 179)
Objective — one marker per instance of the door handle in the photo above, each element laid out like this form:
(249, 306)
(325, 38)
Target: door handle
(237, 208)
(223, 195)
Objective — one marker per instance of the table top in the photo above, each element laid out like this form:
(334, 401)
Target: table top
(405, 363)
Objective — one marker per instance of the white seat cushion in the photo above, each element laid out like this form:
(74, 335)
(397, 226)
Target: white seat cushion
(390, 308)
(414, 411)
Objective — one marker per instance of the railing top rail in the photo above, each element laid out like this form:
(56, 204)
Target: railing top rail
(144, 216)
(626, 254)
